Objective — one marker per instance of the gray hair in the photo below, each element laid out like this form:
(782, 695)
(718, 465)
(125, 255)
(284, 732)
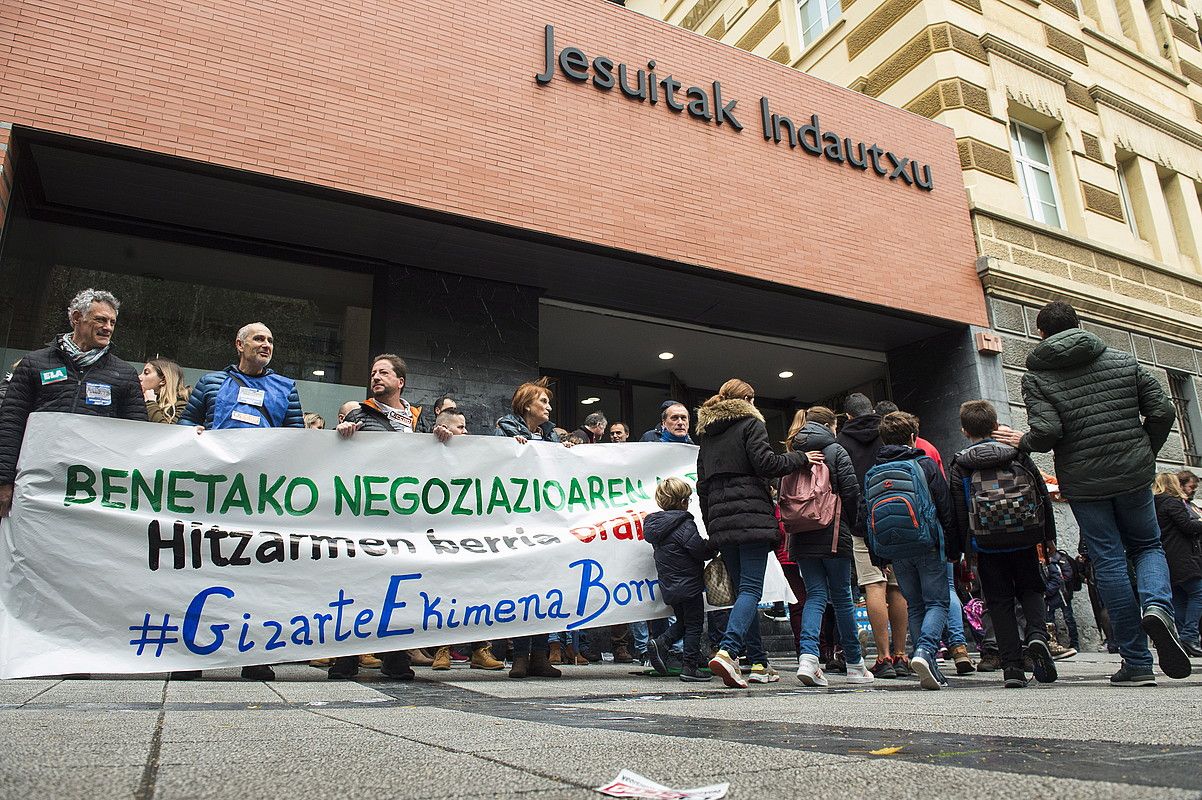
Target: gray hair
(596, 418)
(244, 331)
(83, 301)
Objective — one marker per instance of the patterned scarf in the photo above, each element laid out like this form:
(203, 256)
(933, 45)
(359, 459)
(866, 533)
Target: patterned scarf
(80, 357)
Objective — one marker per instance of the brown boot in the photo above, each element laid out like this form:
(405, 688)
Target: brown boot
(959, 654)
(482, 658)
(581, 661)
(557, 653)
(540, 667)
(622, 655)
(419, 658)
(442, 659)
(521, 665)
(368, 661)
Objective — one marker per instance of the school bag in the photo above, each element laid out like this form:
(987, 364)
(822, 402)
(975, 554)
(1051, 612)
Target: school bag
(902, 519)
(1004, 500)
(808, 500)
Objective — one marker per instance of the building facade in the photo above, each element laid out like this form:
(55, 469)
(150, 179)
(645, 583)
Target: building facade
(1079, 128)
(558, 187)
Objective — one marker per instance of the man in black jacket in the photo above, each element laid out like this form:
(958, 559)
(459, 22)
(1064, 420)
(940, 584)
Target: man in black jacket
(1105, 417)
(77, 374)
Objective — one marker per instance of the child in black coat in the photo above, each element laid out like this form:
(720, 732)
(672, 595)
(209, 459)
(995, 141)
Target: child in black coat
(680, 556)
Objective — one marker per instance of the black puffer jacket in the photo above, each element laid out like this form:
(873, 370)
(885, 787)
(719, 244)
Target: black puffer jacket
(1180, 533)
(680, 554)
(1085, 401)
(817, 544)
(733, 465)
(28, 393)
(859, 437)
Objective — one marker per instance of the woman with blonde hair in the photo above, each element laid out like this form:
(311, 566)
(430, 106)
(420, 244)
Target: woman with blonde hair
(164, 390)
(1181, 535)
(734, 464)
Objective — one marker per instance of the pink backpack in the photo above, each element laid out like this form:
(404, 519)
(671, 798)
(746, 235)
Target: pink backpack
(808, 502)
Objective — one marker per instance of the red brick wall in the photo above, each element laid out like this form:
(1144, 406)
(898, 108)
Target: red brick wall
(377, 97)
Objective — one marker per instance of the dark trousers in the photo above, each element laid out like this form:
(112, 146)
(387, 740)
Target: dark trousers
(690, 621)
(1006, 577)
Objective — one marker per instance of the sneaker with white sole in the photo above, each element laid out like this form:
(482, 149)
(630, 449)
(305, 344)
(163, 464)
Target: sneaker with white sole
(761, 673)
(1173, 660)
(923, 664)
(858, 673)
(727, 669)
(808, 671)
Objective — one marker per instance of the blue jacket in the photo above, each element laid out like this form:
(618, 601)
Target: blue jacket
(214, 400)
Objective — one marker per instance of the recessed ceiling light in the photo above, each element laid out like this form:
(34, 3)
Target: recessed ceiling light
(319, 373)
(785, 374)
(588, 401)
(666, 356)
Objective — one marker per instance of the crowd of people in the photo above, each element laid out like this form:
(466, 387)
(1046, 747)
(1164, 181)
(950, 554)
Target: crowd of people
(857, 504)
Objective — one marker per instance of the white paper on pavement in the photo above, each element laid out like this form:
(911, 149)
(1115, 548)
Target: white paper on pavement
(134, 547)
(632, 784)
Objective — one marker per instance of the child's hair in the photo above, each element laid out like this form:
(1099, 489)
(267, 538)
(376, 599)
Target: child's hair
(673, 494)
(978, 418)
(898, 427)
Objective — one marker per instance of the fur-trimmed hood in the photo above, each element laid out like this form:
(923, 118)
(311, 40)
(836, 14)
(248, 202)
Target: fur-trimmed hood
(717, 417)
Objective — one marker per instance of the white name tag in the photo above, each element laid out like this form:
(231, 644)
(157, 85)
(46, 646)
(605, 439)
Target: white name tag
(98, 394)
(250, 397)
(249, 419)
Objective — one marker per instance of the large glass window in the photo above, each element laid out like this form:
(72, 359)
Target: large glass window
(1185, 402)
(816, 16)
(1035, 177)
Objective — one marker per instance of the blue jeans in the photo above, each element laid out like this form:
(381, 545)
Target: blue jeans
(923, 582)
(745, 563)
(638, 633)
(828, 578)
(1115, 530)
(954, 631)
(1187, 607)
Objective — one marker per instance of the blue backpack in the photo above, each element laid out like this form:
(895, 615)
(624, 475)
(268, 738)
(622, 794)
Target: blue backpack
(902, 519)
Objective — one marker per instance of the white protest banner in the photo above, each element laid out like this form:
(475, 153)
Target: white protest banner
(134, 547)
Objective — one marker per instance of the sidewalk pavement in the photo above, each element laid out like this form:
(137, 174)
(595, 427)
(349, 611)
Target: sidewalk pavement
(472, 734)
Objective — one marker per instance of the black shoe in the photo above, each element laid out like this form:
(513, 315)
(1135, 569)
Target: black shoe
(656, 657)
(344, 668)
(258, 673)
(396, 666)
(694, 675)
(1193, 650)
(1015, 678)
(901, 666)
(185, 675)
(836, 666)
(1173, 659)
(1128, 676)
(1028, 664)
(1042, 665)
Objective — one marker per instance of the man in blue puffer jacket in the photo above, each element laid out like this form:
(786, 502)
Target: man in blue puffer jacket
(246, 395)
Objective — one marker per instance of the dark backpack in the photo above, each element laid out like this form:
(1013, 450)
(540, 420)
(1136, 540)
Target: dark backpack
(1004, 500)
(902, 519)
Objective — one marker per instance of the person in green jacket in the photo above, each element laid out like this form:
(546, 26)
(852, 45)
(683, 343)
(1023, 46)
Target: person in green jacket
(1105, 417)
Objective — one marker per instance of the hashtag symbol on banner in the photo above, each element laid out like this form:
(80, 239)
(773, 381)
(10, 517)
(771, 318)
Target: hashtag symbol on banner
(154, 635)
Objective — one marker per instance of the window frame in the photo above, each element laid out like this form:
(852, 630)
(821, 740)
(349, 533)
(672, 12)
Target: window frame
(826, 20)
(1025, 164)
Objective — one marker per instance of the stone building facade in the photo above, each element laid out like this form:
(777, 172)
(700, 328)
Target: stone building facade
(1079, 127)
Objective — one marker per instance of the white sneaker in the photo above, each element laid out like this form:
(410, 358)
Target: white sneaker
(858, 673)
(808, 671)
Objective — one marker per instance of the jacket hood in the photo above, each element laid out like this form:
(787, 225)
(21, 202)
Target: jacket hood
(986, 454)
(864, 428)
(813, 437)
(658, 527)
(717, 417)
(1065, 350)
(897, 452)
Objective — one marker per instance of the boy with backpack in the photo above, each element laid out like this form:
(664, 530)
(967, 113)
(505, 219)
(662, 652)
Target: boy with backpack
(905, 510)
(1002, 509)
(680, 556)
